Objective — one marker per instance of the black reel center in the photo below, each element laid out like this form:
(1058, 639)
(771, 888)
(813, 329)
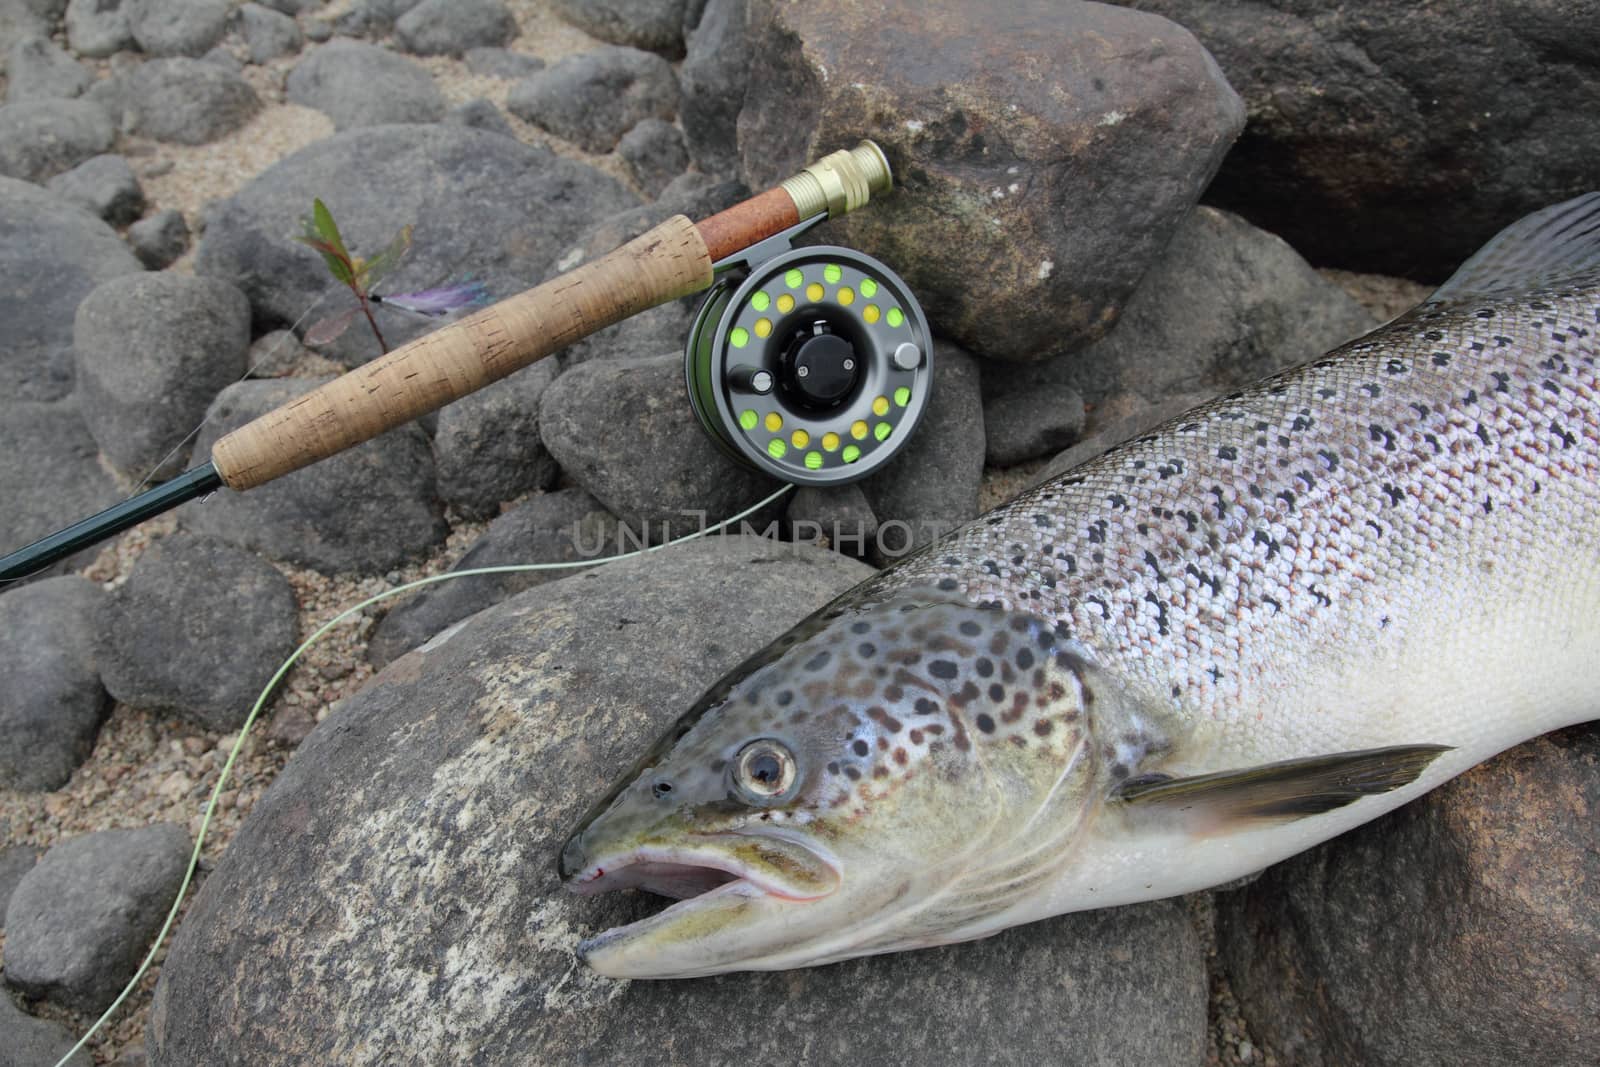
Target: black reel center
(820, 367)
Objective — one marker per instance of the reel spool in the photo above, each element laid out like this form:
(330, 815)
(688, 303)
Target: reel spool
(812, 364)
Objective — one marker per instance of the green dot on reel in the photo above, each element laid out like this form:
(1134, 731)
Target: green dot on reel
(902, 397)
(868, 287)
(813, 461)
(761, 301)
(738, 337)
(881, 430)
(895, 317)
(832, 273)
(850, 454)
(793, 278)
(748, 419)
(776, 448)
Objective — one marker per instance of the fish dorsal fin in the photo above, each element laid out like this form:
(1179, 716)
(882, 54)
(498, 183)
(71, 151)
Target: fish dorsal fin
(1287, 790)
(1549, 247)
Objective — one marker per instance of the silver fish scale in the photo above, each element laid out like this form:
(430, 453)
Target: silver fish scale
(1193, 558)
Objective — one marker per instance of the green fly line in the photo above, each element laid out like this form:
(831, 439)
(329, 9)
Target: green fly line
(283, 669)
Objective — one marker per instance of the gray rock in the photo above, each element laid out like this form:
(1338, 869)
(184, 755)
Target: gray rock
(105, 186)
(358, 84)
(372, 18)
(222, 56)
(178, 27)
(572, 681)
(41, 138)
(480, 114)
(1477, 898)
(80, 921)
(1027, 411)
(502, 63)
(51, 254)
(51, 699)
(450, 27)
(153, 351)
(839, 514)
(563, 527)
(294, 7)
(161, 239)
(186, 101)
(487, 444)
(98, 28)
(51, 477)
(192, 606)
(275, 354)
(37, 69)
(318, 30)
(15, 861)
(982, 233)
(594, 98)
(655, 154)
(504, 209)
(18, 20)
(931, 487)
(1226, 305)
(715, 76)
(26, 1041)
(622, 429)
(268, 34)
(655, 25)
(1387, 137)
(363, 511)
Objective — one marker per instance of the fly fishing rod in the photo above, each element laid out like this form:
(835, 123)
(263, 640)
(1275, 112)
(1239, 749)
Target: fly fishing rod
(812, 364)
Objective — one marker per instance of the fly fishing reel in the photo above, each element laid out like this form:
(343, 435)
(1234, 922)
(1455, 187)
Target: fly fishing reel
(812, 364)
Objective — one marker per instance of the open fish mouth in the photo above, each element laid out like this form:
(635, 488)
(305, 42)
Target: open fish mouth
(719, 885)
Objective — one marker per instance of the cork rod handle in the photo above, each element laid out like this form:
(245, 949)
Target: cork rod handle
(667, 262)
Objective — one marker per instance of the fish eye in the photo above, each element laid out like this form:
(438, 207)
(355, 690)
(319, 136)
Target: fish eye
(764, 770)
(661, 788)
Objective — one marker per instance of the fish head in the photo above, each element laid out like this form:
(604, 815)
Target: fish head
(882, 778)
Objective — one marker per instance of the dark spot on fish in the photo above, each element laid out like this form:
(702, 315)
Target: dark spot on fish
(1043, 727)
(900, 756)
(943, 668)
(1025, 656)
(889, 722)
(915, 736)
(852, 773)
(985, 722)
(997, 692)
(948, 585)
(819, 661)
(970, 628)
(860, 627)
(784, 698)
(866, 650)
(860, 747)
(925, 706)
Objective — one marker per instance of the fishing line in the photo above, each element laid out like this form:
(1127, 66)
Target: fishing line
(283, 669)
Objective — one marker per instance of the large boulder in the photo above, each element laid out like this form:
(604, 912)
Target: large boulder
(478, 200)
(1460, 929)
(51, 477)
(51, 699)
(1044, 151)
(52, 254)
(1397, 137)
(393, 895)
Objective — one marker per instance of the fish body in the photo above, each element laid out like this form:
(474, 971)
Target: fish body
(1271, 620)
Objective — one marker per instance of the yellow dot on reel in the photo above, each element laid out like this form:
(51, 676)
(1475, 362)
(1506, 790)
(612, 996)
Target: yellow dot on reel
(814, 292)
(785, 303)
(880, 405)
(800, 439)
(763, 327)
(830, 441)
(847, 296)
(774, 422)
(858, 430)
(870, 313)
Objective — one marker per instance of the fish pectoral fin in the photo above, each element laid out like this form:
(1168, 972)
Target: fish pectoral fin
(1549, 247)
(1291, 789)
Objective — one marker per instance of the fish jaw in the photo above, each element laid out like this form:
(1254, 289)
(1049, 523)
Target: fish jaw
(737, 891)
